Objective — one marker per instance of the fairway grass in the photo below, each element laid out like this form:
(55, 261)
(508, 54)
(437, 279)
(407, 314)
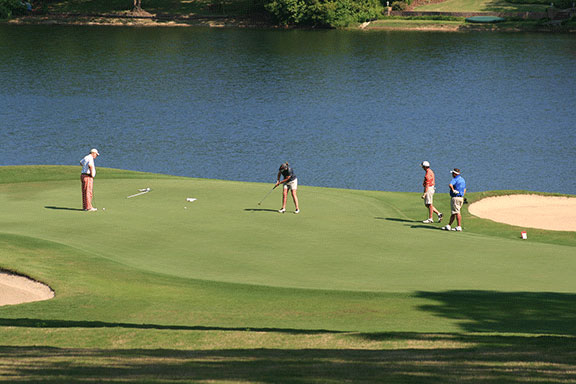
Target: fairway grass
(354, 289)
(481, 6)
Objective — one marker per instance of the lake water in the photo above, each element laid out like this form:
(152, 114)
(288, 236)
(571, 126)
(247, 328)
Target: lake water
(347, 109)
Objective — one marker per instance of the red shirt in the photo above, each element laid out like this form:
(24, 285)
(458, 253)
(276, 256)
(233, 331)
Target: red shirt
(429, 179)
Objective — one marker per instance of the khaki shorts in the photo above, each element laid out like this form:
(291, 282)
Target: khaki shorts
(429, 196)
(291, 185)
(456, 204)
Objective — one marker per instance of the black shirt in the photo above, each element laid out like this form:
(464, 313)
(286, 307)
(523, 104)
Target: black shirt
(289, 173)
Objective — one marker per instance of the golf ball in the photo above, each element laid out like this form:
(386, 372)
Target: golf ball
(103, 209)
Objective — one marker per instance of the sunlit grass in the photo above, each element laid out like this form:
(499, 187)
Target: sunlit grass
(481, 6)
(367, 293)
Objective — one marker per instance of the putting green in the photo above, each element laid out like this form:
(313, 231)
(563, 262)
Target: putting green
(343, 240)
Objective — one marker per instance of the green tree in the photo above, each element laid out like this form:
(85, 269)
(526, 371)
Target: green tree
(330, 13)
(11, 8)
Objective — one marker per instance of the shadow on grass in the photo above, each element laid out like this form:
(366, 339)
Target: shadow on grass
(260, 210)
(396, 219)
(506, 312)
(511, 337)
(63, 208)
(505, 6)
(425, 226)
(40, 323)
(537, 313)
(508, 338)
(519, 359)
(416, 226)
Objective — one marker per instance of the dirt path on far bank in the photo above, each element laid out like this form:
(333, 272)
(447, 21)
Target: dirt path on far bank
(141, 21)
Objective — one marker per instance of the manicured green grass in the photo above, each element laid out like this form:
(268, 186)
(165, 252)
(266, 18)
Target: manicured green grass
(355, 288)
(422, 24)
(482, 6)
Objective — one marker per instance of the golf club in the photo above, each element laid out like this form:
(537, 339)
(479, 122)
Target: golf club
(269, 192)
(142, 191)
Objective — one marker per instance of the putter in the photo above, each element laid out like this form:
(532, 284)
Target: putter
(142, 191)
(269, 192)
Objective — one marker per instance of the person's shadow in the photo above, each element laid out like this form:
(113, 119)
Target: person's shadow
(260, 210)
(63, 208)
(396, 219)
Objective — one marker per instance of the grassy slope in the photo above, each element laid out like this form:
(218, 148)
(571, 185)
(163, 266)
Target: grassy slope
(225, 274)
(461, 25)
(482, 6)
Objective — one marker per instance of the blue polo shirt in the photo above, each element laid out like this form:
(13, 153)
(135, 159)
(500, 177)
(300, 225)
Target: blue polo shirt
(459, 184)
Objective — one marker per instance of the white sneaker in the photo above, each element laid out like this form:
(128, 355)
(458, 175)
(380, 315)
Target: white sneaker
(440, 216)
(447, 227)
(428, 221)
(91, 210)
(459, 229)
(297, 211)
(281, 210)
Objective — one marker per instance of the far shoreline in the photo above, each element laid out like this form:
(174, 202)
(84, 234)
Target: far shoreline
(165, 21)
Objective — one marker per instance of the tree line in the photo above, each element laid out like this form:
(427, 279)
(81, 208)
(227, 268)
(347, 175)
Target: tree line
(314, 13)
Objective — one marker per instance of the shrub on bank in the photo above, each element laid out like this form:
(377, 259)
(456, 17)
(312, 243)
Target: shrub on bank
(399, 5)
(11, 8)
(325, 13)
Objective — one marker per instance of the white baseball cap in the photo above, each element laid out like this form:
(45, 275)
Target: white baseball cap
(455, 171)
(425, 164)
(94, 150)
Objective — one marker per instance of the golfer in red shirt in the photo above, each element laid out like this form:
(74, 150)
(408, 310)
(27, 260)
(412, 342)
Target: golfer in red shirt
(428, 195)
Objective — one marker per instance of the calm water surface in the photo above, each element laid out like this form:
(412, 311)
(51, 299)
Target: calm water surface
(348, 109)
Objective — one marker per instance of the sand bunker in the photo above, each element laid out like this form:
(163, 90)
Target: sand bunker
(16, 289)
(531, 211)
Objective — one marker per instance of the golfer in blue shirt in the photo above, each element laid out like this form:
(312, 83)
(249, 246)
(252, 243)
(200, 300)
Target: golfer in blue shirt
(457, 192)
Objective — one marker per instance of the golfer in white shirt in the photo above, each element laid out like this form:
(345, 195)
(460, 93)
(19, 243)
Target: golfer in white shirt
(87, 178)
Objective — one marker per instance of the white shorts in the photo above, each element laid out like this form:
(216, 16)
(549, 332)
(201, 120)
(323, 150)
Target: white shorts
(291, 185)
(429, 196)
